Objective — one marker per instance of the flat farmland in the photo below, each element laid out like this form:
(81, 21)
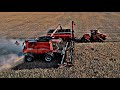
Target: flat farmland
(91, 60)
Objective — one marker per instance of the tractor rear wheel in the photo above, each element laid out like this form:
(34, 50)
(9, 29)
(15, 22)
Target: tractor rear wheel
(84, 40)
(28, 58)
(99, 40)
(48, 57)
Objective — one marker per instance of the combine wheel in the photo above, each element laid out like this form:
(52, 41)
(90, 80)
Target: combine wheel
(28, 58)
(48, 57)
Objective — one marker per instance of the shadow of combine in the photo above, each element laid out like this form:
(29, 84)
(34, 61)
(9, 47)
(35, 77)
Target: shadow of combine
(36, 64)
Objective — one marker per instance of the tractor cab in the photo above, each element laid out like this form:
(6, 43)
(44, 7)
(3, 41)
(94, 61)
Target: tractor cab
(97, 36)
(94, 32)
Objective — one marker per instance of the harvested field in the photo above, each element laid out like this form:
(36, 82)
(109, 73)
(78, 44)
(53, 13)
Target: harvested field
(91, 60)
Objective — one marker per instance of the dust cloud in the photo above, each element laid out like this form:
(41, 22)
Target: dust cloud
(10, 51)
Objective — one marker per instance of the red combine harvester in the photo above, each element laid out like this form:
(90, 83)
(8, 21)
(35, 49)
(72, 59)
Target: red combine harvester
(94, 37)
(57, 45)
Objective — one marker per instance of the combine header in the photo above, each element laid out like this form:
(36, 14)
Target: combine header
(57, 45)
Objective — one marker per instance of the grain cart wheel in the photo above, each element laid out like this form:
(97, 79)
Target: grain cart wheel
(28, 58)
(48, 57)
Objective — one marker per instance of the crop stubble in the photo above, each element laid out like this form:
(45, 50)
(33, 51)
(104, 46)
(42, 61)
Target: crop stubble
(91, 59)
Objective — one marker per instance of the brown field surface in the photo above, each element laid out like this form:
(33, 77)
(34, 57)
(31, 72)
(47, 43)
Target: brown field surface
(91, 60)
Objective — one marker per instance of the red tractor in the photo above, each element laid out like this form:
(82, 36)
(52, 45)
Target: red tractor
(58, 45)
(94, 37)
